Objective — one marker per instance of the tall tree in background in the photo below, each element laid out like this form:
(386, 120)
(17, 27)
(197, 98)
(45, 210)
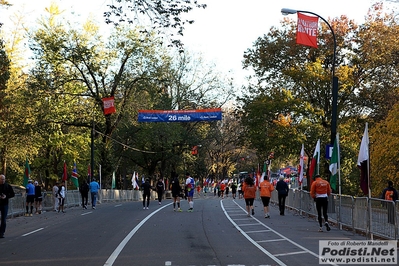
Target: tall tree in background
(164, 148)
(76, 67)
(4, 106)
(366, 67)
(164, 16)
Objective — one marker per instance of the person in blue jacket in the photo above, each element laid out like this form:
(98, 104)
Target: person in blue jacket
(94, 187)
(30, 197)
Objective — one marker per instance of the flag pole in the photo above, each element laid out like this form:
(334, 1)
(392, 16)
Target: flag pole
(339, 181)
(368, 182)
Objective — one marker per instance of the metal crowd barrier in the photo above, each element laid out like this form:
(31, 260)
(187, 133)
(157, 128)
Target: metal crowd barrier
(370, 216)
(16, 206)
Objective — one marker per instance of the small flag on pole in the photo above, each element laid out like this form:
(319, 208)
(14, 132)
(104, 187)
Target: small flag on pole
(362, 162)
(26, 173)
(113, 180)
(75, 175)
(134, 181)
(301, 163)
(334, 164)
(89, 173)
(314, 165)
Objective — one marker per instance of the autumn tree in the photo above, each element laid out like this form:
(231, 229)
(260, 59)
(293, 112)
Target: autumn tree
(291, 92)
(76, 67)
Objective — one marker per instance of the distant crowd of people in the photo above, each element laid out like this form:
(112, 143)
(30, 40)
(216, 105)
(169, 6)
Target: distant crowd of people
(246, 189)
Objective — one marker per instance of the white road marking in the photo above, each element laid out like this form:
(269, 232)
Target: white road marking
(120, 247)
(118, 205)
(251, 240)
(259, 231)
(275, 232)
(86, 213)
(33, 232)
(290, 253)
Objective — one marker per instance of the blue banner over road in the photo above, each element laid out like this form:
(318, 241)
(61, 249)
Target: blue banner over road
(180, 115)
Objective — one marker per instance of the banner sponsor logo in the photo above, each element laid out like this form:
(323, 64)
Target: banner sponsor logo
(372, 252)
(306, 32)
(180, 115)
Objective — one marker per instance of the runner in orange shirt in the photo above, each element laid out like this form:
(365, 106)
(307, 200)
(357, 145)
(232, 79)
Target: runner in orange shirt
(249, 189)
(320, 190)
(265, 194)
(222, 188)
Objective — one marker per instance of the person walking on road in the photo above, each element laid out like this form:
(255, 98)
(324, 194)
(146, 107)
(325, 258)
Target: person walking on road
(61, 197)
(390, 194)
(55, 196)
(176, 191)
(30, 197)
(240, 191)
(234, 190)
(266, 189)
(146, 187)
(84, 192)
(190, 185)
(94, 187)
(6, 192)
(38, 198)
(160, 187)
(320, 190)
(282, 189)
(249, 190)
(222, 189)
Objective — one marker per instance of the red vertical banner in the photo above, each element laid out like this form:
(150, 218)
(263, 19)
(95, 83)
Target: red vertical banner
(306, 32)
(109, 106)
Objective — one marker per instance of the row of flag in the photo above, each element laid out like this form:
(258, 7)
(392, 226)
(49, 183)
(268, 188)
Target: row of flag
(74, 174)
(334, 167)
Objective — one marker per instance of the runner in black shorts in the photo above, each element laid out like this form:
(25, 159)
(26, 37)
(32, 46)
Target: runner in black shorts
(176, 191)
(38, 198)
(30, 197)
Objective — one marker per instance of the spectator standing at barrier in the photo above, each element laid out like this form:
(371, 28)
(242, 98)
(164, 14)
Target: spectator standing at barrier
(38, 198)
(30, 197)
(55, 196)
(146, 187)
(160, 187)
(266, 189)
(176, 191)
(282, 189)
(94, 187)
(84, 192)
(249, 190)
(390, 194)
(6, 192)
(190, 185)
(61, 197)
(320, 190)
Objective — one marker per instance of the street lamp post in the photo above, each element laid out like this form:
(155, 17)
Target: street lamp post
(287, 11)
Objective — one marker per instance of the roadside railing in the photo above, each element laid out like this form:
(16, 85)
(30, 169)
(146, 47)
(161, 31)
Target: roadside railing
(370, 216)
(16, 206)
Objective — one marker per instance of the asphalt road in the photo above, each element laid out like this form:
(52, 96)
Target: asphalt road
(218, 232)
